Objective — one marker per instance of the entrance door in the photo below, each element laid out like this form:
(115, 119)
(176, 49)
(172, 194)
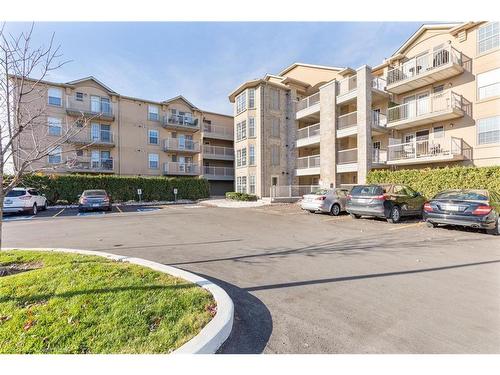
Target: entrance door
(95, 131)
(95, 104)
(409, 108)
(423, 106)
(182, 141)
(95, 159)
(422, 142)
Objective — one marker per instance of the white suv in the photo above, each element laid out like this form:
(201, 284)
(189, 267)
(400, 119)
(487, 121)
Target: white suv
(24, 200)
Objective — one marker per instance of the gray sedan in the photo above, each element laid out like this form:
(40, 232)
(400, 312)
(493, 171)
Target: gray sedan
(330, 201)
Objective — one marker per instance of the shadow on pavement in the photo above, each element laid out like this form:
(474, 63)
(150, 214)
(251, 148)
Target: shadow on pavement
(252, 325)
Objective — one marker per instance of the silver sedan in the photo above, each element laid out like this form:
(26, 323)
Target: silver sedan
(330, 201)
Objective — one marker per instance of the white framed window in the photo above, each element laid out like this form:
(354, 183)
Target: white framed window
(241, 130)
(251, 98)
(55, 96)
(274, 102)
(55, 126)
(153, 113)
(241, 102)
(153, 161)
(438, 132)
(488, 84)
(241, 184)
(251, 155)
(251, 184)
(79, 96)
(275, 127)
(488, 130)
(55, 155)
(488, 37)
(244, 157)
(275, 155)
(238, 158)
(153, 137)
(251, 127)
(376, 145)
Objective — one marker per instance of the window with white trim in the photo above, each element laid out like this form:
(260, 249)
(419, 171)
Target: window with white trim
(55, 126)
(251, 98)
(153, 137)
(244, 157)
(55, 96)
(251, 155)
(79, 96)
(438, 132)
(488, 130)
(488, 84)
(241, 102)
(251, 184)
(251, 127)
(153, 161)
(153, 113)
(275, 127)
(241, 130)
(241, 184)
(488, 37)
(275, 155)
(274, 102)
(55, 155)
(238, 158)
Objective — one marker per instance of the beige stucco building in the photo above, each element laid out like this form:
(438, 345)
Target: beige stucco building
(132, 136)
(435, 102)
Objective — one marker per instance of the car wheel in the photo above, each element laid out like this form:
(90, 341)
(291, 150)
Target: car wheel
(34, 210)
(354, 216)
(430, 224)
(312, 211)
(495, 231)
(335, 210)
(44, 208)
(395, 215)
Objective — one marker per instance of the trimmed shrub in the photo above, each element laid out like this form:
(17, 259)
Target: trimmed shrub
(69, 187)
(430, 181)
(240, 196)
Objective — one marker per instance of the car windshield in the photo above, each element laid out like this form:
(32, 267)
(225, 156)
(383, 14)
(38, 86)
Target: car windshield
(16, 193)
(94, 193)
(322, 192)
(368, 190)
(462, 195)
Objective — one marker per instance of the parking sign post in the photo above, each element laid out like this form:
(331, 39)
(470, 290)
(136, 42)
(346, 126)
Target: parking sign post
(139, 193)
(175, 194)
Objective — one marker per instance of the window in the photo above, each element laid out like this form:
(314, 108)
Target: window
(55, 126)
(274, 103)
(275, 155)
(487, 37)
(241, 102)
(251, 155)
(55, 155)
(437, 89)
(488, 84)
(153, 113)
(251, 98)
(438, 132)
(275, 127)
(153, 137)
(241, 184)
(241, 130)
(251, 184)
(238, 158)
(251, 127)
(154, 161)
(243, 157)
(376, 145)
(79, 96)
(55, 96)
(488, 130)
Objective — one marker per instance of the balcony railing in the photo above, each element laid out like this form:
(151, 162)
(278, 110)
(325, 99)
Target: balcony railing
(429, 149)
(379, 83)
(422, 64)
(181, 121)
(308, 132)
(180, 144)
(217, 131)
(218, 171)
(347, 156)
(88, 107)
(434, 103)
(308, 102)
(379, 156)
(292, 191)
(379, 119)
(347, 85)
(308, 162)
(85, 163)
(347, 120)
(178, 168)
(104, 137)
(218, 152)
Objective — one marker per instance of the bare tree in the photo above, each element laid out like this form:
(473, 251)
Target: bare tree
(24, 129)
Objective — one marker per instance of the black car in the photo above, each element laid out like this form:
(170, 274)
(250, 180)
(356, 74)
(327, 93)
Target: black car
(466, 207)
(94, 200)
(389, 201)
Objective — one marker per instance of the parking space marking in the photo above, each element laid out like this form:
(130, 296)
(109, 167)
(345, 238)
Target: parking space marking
(407, 226)
(60, 212)
(119, 209)
(147, 209)
(17, 218)
(90, 213)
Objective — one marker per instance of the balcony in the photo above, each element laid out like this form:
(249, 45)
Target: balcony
(428, 151)
(346, 89)
(218, 152)
(218, 132)
(441, 106)
(307, 166)
(181, 145)
(100, 138)
(218, 173)
(308, 136)
(308, 108)
(179, 122)
(101, 110)
(347, 160)
(84, 164)
(424, 70)
(347, 124)
(379, 157)
(180, 169)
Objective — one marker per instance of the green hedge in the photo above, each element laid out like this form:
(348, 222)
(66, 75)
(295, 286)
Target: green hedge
(430, 181)
(240, 196)
(67, 187)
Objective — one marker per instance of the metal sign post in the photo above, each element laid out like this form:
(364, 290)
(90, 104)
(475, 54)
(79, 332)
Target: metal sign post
(175, 194)
(139, 193)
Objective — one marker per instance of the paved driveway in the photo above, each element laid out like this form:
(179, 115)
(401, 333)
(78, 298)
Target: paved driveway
(306, 283)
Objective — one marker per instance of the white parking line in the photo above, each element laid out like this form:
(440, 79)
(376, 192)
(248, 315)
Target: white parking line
(17, 218)
(147, 209)
(90, 213)
(407, 226)
(195, 206)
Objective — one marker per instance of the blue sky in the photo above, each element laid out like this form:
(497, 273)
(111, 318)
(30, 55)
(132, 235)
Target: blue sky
(206, 61)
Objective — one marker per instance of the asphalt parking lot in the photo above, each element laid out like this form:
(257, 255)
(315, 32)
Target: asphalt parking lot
(310, 283)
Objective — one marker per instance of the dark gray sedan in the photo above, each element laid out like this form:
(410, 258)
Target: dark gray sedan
(94, 200)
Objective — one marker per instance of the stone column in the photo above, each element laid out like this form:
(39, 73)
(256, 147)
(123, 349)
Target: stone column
(364, 113)
(328, 121)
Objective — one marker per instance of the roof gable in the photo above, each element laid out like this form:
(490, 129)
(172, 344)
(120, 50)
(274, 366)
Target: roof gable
(91, 78)
(417, 34)
(180, 97)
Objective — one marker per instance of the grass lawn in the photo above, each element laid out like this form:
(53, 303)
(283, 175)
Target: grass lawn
(69, 303)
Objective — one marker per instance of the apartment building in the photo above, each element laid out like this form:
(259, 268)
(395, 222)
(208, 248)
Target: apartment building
(131, 136)
(435, 102)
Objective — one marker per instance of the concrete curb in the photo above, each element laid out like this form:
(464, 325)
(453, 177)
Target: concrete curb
(159, 203)
(213, 335)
